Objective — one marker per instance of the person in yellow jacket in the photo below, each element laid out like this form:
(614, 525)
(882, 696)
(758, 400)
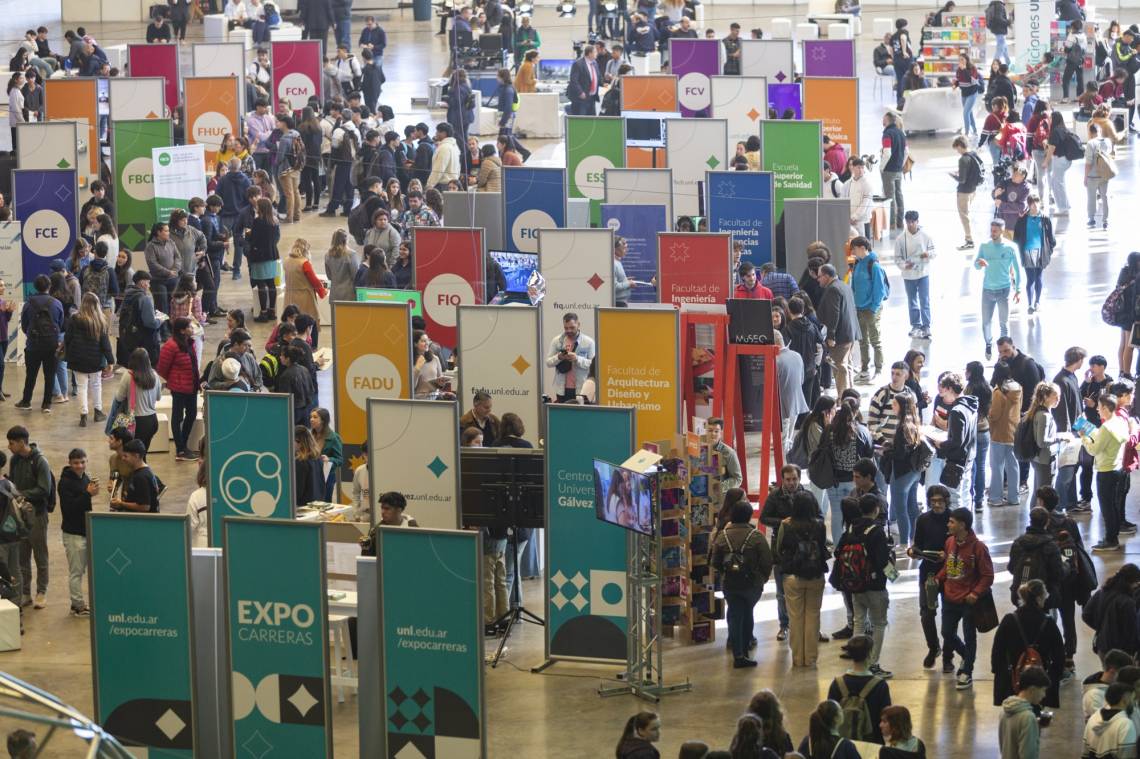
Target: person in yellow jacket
(1106, 444)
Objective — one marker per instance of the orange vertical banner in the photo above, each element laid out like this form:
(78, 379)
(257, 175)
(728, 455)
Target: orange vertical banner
(653, 92)
(70, 99)
(211, 112)
(835, 103)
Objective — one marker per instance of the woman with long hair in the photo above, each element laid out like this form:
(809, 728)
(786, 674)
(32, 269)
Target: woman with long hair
(427, 369)
(1046, 396)
(312, 136)
(1029, 624)
(309, 472)
(79, 256)
(228, 148)
(968, 82)
(915, 360)
(375, 272)
(261, 252)
(898, 734)
(16, 104)
(178, 367)
(748, 742)
(341, 263)
(812, 428)
(1127, 313)
(511, 432)
(402, 268)
(909, 455)
(139, 391)
(991, 127)
(396, 204)
(1111, 612)
(849, 441)
(766, 705)
(1057, 163)
(332, 448)
(977, 386)
(641, 731)
(302, 286)
(123, 276)
(433, 199)
(801, 549)
(107, 234)
(87, 346)
(823, 740)
(186, 300)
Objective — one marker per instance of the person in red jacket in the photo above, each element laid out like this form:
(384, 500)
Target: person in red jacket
(178, 367)
(965, 576)
(749, 286)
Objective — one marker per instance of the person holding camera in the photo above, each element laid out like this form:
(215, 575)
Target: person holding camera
(571, 354)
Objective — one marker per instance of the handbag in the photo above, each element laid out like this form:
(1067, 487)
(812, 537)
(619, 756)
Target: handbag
(985, 613)
(952, 474)
(821, 467)
(798, 455)
(126, 418)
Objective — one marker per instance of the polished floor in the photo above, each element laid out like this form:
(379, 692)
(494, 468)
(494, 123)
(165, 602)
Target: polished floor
(558, 714)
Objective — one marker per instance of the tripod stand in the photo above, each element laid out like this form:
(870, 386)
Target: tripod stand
(517, 612)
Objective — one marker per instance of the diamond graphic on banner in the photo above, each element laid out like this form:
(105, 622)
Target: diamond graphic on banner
(579, 581)
(753, 114)
(562, 583)
(421, 721)
(712, 162)
(63, 193)
(520, 364)
(398, 696)
(819, 53)
(579, 602)
(410, 751)
(726, 189)
(393, 334)
(399, 720)
(119, 561)
(63, 164)
(595, 281)
(558, 579)
(302, 700)
(679, 252)
(781, 76)
(152, 115)
(256, 745)
(170, 724)
(437, 467)
(421, 698)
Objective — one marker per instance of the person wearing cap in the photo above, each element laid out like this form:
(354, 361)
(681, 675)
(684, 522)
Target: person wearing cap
(860, 680)
(913, 251)
(231, 377)
(999, 259)
(142, 489)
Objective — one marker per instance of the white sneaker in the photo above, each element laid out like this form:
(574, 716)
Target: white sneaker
(964, 681)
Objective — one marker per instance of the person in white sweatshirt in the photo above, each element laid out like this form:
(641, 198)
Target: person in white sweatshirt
(1094, 686)
(1019, 733)
(913, 251)
(445, 164)
(858, 190)
(1110, 731)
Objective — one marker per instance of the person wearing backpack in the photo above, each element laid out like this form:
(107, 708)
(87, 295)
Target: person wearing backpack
(42, 322)
(861, 694)
(1035, 555)
(997, 21)
(1036, 439)
(1062, 148)
(970, 176)
(744, 561)
(862, 562)
(1019, 731)
(824, 739)
(1100, 168)
(800, 545)
(290, 162)
(1079, 577)
(967, 574)
(959, 448)
(31, 475)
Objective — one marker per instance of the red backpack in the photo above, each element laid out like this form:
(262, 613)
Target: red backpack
(1030, 657)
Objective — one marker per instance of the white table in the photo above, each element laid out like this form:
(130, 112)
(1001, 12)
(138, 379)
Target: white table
(285, 32)
(323, 516)
(215, 27)
(539, 115)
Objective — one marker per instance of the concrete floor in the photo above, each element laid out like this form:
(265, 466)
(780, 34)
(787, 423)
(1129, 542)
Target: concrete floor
(558, 714)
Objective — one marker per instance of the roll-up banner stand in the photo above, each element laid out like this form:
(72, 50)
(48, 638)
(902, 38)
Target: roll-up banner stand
(786, 97)
(157, 59)
(424, 467)
(809, 219)
(835, 104)
(296, 72)
(740, 203)
(533, 199)
(372, 358)
(77, 100)
(578, 267)
(742, 102)
(249, 457)
(278, 638)
(48, 145)
(593, 144)
(829, 58)
(179, 174)
(431, 660)
(47, 208)
(694, 62)
(142, 630)
(635, 187)
(654, 92)
(137, 97)
(694, 267)
(640, 372)
(450, 272)
(221, 59)
(585, 557)
(791, 151)
(477, 209)
(694, 146)
(132, 146)
(772, 59)
(212, 112)
(639, 226)
(502, 356)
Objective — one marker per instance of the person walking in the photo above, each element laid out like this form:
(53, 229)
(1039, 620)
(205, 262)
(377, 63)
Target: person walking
(913, 252)
(87, 346)
(302, 286)
(997, 21)
(836, 312)
(965, 576)
(999, 259)
(970, 176)
(178, 368)
(42, 322)
(1033, 235)
(777, 508)
(801, 548)
(968, 82)
(744, 561)
(30, 473)
(1100, 168)
(290, 162)
(977, 386)
(844, 443)
(893, 156)
(861, 196)
(1062, 148)
(929, 544)
(959, 448)
(905, 460)
(1046, 396)
(862, 562)
(138, 393)
(870, 288)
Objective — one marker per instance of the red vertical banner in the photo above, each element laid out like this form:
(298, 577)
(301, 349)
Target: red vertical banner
(449, 272)
(160, 59)
(296, 72)
(694, 268)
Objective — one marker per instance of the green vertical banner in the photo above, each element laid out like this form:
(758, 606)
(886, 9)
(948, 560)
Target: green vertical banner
(278, 634)
(593, 144)
(585, 558)
(791, 151)
(131, 145)
(249, 457)
(431, 662)
(142, 634)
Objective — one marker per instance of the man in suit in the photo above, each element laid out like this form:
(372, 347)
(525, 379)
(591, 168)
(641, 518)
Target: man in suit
(584, 81)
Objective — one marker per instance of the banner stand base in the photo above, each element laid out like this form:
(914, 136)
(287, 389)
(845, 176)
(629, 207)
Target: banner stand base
(647, 690)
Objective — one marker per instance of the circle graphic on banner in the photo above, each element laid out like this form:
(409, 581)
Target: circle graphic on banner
(210, 127)
(296, 87)
(693, 90)
(372, 376)
(590, 176)
(525, 229)
(443, 294)
(46, 233)
(137, 179)
(251, 483)
(614, 224)
(164, 159)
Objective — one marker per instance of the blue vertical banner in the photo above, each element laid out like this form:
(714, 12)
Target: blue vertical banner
(47, 207)
(533, 199)
(639, 226)
(740, 202)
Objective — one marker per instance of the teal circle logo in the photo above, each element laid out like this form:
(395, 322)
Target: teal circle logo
(164, 159)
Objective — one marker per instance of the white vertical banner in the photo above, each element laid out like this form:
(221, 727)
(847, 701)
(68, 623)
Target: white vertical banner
(693, 146)
(772, 59)
(1031, 22)
(742, 101)
(502, 357)
(12, 274)
(179, 174)
(48, 145)
(413, 448)
(135, 98)
(640, 187)
(578, 266)
(221, 59)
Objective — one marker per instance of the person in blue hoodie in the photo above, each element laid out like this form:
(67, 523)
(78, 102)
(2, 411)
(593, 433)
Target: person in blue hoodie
(870, 286)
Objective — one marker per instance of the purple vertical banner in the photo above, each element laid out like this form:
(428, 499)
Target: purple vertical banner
(829, 58)
(781, 97)
(48, 209)
(693, 62)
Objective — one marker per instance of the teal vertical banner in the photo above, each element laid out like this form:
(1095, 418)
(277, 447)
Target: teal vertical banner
(585, 558)
(277, 627)
(142, 641)
(431, 663)
(250, 457)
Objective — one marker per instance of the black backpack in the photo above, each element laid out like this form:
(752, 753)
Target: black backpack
(804, 559)
(1031, 567)
(1071, 148)
(96, 282)
(737, 572)
(1025, 446)
(1075, 54)
(978, 172)
(42, 329)
(358, 222)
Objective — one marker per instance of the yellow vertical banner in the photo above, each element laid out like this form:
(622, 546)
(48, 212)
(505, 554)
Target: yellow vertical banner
(638, 365)
(74, 99)
(835, 103)
(211, 113)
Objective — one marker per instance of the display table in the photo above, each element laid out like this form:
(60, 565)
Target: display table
(807, 31)
(242, 35)
(539, 115)
(285, 32)
(926, 110)
(644, 65)
(827, 20)
(781, 28)
(215, 27)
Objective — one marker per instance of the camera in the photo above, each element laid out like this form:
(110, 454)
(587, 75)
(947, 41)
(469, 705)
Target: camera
(579, 45)
(869, 160)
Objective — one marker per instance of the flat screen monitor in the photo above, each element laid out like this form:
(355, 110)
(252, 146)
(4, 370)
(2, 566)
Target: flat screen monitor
(517, 267)
(502, 487)
(646, 129)
(554, 68)
(623, 497)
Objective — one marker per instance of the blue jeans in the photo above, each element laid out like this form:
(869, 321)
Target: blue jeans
(968, 123)
(995, 151)
(1002, 50)
(904, 504)
(835, 495)
(781, 604)
(1066, 486)
(61, 384)
(1003, 465)
(953, 613)
(1033, 285)
(978, 483)
(918, 301)
(740, 620)
(344, 32)
(991, 298)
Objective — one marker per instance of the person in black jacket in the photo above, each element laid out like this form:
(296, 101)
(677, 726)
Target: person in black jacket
(294, 378)
(157, 30)
(421, 164)
(316, 17)
(930, 533)
(309, 477)
(75, 491)
(371, 79)
(959, 447)
(1034, 260)
(777, 508)
(388, 161)
(1035, 555)
(1027, 626)
(869, 592)
(1065, 413)
(800, 552)
(1001, 85)
(342, 21)
(805, 339)
(1111, 612)
(1077, 583)
(1025, 370)
(743, 581)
